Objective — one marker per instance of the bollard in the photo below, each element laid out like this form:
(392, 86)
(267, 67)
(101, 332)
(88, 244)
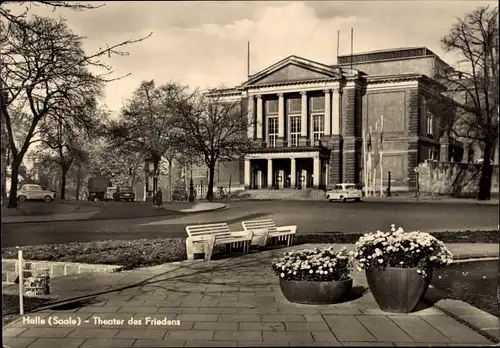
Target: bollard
(21, 281)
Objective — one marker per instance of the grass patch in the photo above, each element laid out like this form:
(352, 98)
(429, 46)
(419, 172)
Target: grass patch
(152, 252)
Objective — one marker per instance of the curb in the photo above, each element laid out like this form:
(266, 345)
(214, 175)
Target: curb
(168, 213)
(433, 296)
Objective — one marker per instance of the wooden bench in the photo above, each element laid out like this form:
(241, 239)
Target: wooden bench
(265, 231)
(203, 238)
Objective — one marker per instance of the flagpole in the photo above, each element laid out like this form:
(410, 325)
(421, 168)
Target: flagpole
(371, 178)
(381, 156)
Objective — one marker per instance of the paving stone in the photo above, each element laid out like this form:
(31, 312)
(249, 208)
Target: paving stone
(295, 310)
(262, 311)
(190, 335)
(144, 334)
(323, 336)
(458, 332)
(236, 304)
(254, 326)
(238, 335)
(384, 329)
(262, 344)
(183, 325)
(93, 333)
(340, 310)
(283, 318)
(106, 309)
(46, 332)
(313, 318)
(419, 329)
(56, 343)
(239, 317)
(105, 343)
(138, 310)
(420, 344)
(201, 304)
(287, 336)
(318, 344)
(13, 331)
(197, 317)
(172, 310)
(227, 326)
(158, 343)
(211, 344)
(316, 326)
(368, 344)
(218, 310)
(348, 328)
(18, 342)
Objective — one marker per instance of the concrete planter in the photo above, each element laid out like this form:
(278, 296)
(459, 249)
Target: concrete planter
(397, 290)
(309, 292)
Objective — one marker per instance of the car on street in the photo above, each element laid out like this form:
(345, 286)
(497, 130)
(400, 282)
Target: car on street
(110, 191)
(35, 192)
(344, 192)
(124, 193)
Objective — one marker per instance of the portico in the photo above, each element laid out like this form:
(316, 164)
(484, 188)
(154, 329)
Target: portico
(298, 170)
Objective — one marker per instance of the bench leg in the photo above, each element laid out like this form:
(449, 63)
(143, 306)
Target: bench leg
(209, 248)
(189, 249)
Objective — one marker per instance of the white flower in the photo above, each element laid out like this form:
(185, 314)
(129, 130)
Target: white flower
(282, 275)
(380, 260)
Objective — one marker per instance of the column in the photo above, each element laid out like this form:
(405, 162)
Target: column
(259, 179)
(260, 118)
(281, 116)
(335, 112)
(303, 182)
(247, 173)
(251, 118)
(281, 182)
(303, 116)
(316, 172)
(293, 172)
(269, 173)
(328, 112)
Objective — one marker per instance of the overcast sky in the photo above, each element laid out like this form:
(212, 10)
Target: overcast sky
(204, 44)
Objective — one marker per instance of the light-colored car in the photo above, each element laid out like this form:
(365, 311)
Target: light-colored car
(35, 192)
(110, 191)
(344, 192)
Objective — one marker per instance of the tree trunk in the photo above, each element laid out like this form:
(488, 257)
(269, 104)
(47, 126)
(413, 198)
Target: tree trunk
(486, 174)
(13, 183)
(78, 183)
(211, 175)
(170, 195)
(64, 173)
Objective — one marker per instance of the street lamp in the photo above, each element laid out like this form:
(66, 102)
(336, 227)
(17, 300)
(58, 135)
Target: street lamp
(191, 186)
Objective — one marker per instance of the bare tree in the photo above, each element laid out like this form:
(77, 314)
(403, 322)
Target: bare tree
(44, 70)
(214, 127)
(146, 124)
(474, 86)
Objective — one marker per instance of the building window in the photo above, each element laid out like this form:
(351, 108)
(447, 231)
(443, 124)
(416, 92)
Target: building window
(271, 106)
(433, 154)
(272, 126)
(318, 103)
(429, 120)
(294, 130)
(294, 105)
(318, 127)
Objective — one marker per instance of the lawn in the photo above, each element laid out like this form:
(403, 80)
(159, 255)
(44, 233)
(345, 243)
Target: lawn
(151, 252)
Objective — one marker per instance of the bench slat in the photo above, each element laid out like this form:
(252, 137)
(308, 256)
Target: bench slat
(220, 229)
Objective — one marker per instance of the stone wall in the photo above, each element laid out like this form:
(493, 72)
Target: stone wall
(458, 179)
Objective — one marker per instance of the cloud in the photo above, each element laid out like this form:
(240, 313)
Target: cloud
(205, 43)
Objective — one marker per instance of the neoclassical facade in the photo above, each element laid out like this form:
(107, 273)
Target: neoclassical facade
(307, 119)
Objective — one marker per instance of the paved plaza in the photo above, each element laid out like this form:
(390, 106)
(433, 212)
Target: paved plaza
(233, 302)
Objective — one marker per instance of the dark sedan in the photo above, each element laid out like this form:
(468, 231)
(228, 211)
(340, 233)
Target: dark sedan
(124, 193)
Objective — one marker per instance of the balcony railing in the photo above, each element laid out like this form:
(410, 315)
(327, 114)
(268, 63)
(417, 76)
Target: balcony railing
(288, 144)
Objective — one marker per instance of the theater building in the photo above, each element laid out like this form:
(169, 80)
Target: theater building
(308, 119)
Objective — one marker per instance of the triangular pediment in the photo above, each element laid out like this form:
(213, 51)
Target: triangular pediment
(292, 69)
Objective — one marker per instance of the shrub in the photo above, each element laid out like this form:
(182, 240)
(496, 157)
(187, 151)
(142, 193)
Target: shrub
(317, 265)
(402, 250)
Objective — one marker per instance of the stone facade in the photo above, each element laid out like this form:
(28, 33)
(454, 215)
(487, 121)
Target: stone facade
(293, 151)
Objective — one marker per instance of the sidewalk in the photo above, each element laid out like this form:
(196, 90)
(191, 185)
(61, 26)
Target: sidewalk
(102, 214)
(430, 199)
(233, 302)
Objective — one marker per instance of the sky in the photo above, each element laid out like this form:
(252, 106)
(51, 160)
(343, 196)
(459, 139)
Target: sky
(204, 44)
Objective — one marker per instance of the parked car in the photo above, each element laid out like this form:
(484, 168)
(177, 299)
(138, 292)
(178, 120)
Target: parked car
(110, 193)
(97, 188)
(35, 192)
(124, 193)
(344, 192)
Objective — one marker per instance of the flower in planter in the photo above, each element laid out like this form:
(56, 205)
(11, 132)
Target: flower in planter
(401, 249)
(318, 265)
